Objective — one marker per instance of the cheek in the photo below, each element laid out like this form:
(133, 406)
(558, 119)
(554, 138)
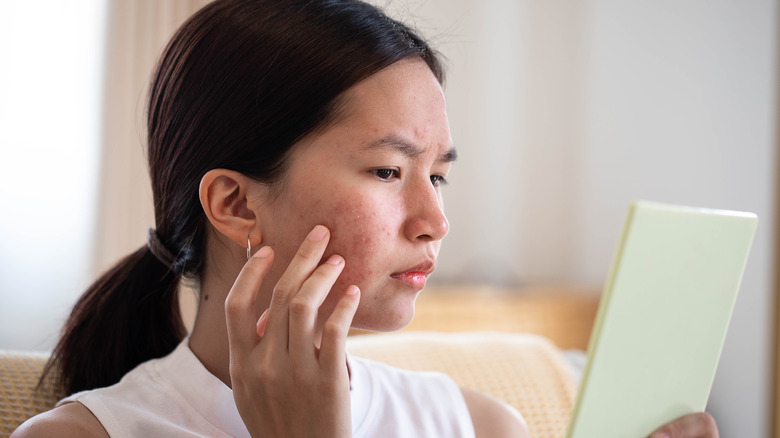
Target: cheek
(363, 231)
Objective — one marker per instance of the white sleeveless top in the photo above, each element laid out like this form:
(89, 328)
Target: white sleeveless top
(175, 396)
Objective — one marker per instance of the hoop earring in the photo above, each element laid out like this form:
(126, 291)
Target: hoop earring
(248, 248)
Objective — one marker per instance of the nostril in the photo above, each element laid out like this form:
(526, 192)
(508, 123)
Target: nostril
(425, 237)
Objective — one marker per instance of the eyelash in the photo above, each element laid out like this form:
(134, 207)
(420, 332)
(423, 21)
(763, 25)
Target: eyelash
(393, 173)
(387, 174)
(438, 180)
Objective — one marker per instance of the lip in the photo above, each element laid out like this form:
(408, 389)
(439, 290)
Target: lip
(416, 276)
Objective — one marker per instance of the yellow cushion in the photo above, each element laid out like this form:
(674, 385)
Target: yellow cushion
(524, 370)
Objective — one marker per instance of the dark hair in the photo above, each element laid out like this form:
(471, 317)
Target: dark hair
(238, 85)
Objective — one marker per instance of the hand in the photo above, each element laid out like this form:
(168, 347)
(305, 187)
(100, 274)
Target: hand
(283, 385)
(699, 425)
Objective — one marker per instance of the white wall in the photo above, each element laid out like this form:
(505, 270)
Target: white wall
(679, 107)
(50, 80)
(73, 175)
(564, 111)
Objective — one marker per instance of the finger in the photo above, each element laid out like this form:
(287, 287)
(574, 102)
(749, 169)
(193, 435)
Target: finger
(305, 306)
(302, 265)
(698, 425)
(240, 302)
(334, 332)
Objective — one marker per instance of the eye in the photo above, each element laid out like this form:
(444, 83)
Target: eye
(438, 180)
(385, 174)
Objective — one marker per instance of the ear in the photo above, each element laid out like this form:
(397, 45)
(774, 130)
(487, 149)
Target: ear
(223, 195)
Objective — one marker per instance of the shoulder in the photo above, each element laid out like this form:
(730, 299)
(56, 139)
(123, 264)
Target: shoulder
(492, 417)
(69, 420)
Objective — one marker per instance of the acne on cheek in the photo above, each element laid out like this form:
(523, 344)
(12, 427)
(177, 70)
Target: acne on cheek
(356, 236)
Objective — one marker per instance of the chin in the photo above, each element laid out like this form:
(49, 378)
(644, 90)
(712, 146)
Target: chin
(385, 318)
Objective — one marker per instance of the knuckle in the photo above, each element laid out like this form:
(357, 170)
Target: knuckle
(300, 306)
(280, 295)
(266, 371)
(235, 370)
(324, 274)
(237, 373)
(308, 251)
(334, 329)
(233, 305)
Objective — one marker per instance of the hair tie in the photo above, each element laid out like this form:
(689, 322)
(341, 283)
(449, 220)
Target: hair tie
(158, 249)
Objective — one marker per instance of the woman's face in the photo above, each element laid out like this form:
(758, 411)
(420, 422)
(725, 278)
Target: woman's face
(374, 179)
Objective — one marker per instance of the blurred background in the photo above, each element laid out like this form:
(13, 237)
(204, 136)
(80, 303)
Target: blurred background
(562, 111)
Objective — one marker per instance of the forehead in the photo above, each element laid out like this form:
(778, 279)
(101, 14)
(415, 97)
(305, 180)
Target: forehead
(405, 93)
(401, 104)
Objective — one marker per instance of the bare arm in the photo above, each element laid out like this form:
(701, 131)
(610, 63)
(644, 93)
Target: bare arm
(70, 420)
(492, 417)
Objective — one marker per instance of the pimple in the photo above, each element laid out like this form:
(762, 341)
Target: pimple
(422, 132)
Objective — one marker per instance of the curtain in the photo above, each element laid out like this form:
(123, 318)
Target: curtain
(137, 33)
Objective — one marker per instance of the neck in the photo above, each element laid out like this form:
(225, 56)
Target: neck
(209, 340)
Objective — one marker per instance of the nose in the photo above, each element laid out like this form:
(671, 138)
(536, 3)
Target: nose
(426, 220)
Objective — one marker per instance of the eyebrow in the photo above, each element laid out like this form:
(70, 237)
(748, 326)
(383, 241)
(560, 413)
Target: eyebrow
(398, 143)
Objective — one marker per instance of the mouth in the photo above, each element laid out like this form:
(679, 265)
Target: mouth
(416, 276)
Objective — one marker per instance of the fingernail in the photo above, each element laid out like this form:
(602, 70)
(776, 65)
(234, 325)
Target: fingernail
(318, 233)
(352, 290)
(263, 252)
(261, 323)
(335, 259)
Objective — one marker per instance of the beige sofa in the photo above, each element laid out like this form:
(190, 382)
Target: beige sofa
(525, 370)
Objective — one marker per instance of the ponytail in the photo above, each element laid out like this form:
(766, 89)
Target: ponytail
(126, 317)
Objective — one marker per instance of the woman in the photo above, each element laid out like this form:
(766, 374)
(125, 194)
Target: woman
(297, 151)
